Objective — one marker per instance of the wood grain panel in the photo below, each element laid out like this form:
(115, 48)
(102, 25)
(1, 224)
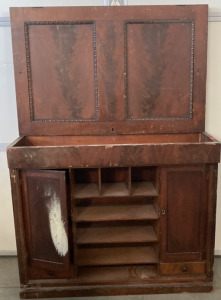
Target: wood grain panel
(61, 71)
(183, 213)
(44, 194)
(110, 49)
(159, 69)
(146, 85)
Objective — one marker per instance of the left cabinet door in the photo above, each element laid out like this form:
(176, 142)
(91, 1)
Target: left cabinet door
(45, 207)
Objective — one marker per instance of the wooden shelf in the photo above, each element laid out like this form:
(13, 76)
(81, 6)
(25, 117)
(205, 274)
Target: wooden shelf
(86, 190)
(118, 234)
(116, 256)
(117, 273)
(114, 189)
(143, 189)
(97, 213)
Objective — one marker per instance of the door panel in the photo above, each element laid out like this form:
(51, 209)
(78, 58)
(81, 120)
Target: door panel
(183, 213)
(46, 225)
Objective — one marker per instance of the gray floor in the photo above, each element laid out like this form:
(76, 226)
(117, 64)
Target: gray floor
(9, 286)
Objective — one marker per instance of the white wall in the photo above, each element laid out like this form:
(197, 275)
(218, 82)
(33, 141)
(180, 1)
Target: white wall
(8, 117)
(213, 106)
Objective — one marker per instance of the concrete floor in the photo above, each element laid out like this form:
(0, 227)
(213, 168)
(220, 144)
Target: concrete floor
(9, 286)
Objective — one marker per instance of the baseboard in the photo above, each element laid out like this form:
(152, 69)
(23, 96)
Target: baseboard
(217, 252)
(8, 253)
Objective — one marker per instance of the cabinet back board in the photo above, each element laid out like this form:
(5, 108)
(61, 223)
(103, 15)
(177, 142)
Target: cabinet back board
(110, 70)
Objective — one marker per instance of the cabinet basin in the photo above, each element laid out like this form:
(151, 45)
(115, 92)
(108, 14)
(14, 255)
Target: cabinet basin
(88, 151)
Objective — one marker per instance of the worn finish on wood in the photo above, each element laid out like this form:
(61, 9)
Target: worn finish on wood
(109, 155)
(117, 290)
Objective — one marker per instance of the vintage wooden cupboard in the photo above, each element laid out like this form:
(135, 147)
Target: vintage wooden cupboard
(113, 177)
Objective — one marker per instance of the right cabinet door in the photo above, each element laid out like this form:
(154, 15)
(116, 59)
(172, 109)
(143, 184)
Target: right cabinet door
(183, 213)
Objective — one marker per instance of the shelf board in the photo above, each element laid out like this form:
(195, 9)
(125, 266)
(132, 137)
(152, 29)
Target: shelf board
(117, 273)
(114, 189)
(98, 213)
(145, 188)
(86, 190)
(116, 256)
(118, 234)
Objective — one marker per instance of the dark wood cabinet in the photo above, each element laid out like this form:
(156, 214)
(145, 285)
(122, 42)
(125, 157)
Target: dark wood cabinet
(113, 177)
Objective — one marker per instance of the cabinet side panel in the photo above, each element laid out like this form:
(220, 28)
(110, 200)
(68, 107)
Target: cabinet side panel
(19, 224)
(212, 194)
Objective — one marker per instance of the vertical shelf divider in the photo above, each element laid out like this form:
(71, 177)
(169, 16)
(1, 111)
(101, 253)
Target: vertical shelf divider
(73, 220)
(129, 181)
(99, 182)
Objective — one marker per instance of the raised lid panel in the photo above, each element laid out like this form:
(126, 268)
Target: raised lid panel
(61, 69)
(160, 53)
(110, 70)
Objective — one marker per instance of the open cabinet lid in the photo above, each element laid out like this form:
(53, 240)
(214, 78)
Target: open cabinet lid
(110, 70)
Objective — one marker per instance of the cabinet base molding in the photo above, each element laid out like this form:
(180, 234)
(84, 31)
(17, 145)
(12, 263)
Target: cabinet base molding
(85, 291)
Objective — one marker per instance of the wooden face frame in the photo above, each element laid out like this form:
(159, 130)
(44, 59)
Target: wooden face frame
(128, 88)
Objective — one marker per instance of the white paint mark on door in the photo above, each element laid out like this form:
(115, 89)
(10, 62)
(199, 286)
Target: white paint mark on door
(57, 229)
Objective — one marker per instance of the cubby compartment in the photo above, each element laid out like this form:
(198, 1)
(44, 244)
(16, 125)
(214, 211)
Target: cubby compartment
(117, 233)
(118, 273)
(86, 182)
(103, 256)
(111, 212)
(144, 181)
(115, 181)
(115, 214)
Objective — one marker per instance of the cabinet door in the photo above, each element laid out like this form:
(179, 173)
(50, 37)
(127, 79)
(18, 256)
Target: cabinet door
(46, 223)
(183, 213)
